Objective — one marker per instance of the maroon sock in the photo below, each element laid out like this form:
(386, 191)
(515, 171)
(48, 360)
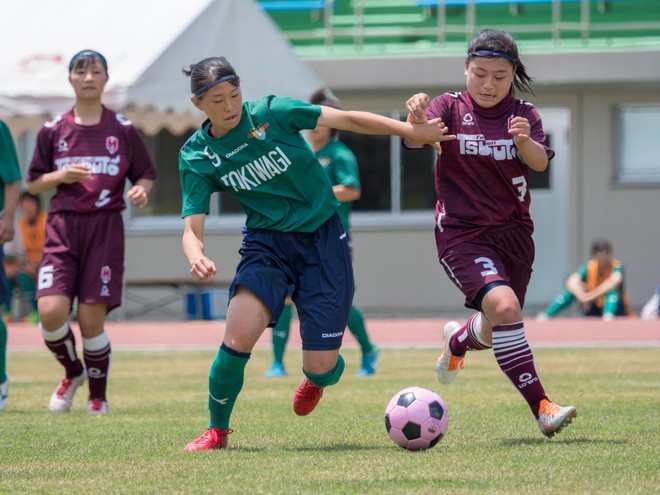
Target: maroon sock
(97, 362)
(515, 359)
(466, 338)
(64, 350)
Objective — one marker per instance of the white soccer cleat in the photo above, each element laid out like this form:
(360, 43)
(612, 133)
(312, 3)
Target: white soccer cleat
(62, 398)
(4, 394)
(97, 407)
(449, 365)
(553, 417)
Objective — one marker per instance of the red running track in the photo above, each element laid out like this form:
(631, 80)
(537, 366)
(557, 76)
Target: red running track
(400, 332)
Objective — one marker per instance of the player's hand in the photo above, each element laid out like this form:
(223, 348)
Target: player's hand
(138, 196)
(76, 172)
(6, 229)
(203, 268)
(520, 129)
(417, 105)
(432, 132)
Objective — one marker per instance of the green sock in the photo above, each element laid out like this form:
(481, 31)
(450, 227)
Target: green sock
(3, 351)
(281, 334)
(328, 378)
(561, 302)
(359, 330)
(612, 301)
(225, 383)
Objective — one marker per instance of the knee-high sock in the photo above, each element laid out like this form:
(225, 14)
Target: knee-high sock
(3, 351)
(329, 377)
(225, 383)
(359, 330)
(467, 338)
(560, 303)
(281, 334)
(515, 359)
(97, 352)
(62, 344)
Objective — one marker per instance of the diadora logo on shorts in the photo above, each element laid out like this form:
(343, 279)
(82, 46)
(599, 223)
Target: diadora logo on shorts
(331, 335)
(527, 379)
(259, 132)
(468, 119)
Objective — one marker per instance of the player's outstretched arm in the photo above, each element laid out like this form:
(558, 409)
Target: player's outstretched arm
(431, 132)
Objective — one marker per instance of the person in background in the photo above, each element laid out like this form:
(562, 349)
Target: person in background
(483, 224)
(340, 164)
(23, 254)
(85, 155)
(293, 239)
(598, 285)
(10, 188)
(651, 309)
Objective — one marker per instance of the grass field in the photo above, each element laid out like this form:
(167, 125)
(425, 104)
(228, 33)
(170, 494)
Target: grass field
(158, 404)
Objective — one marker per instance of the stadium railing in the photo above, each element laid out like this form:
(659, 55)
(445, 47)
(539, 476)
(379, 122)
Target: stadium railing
(361, 21)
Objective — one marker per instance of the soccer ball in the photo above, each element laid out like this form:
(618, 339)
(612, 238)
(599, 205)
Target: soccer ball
(416, 418)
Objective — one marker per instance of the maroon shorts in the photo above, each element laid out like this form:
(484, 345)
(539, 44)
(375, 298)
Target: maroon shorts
(502, 254)
(83, 257)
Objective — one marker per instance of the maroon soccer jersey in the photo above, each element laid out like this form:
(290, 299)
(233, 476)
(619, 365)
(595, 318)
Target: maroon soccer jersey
(480, 181)
(112, 149)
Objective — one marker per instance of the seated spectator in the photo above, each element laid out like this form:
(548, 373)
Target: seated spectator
(597, 285)
(23, 254)
(651, 309)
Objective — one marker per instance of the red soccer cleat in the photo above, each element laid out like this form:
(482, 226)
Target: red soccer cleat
(306, 397)
(213, 438)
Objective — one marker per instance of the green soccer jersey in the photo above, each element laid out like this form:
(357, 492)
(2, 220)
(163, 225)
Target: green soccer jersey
(9, 169)
(265, 164)
(340, 164)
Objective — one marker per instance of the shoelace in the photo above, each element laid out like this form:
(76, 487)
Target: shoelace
(64, 386)
(311, 391)
(550, 409)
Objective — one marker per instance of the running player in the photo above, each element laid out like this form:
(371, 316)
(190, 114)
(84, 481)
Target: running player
(293, 236)
(10, 189)
(86, 155)
(340, 164)
(484, 229)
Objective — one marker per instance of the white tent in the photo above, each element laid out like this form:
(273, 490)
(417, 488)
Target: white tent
(146, 44)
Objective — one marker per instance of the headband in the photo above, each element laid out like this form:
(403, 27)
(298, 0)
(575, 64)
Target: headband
(208, 86)
(88, 53)
(488, 53)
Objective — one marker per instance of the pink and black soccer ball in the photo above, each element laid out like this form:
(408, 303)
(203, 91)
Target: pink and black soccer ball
(416, 418)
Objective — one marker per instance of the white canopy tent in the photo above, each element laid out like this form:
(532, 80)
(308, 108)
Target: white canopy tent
(146, 43)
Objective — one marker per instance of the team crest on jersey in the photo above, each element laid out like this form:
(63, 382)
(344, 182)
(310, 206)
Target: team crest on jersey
(62, 146)
(259, 132)
(112, 144)
(468, 119)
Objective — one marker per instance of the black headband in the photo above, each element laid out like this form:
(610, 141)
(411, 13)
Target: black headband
(208, 86)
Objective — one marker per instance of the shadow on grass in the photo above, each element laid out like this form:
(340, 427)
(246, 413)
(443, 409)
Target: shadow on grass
(563, 441)
(323, 448)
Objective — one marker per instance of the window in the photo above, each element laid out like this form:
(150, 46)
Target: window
(638, 130)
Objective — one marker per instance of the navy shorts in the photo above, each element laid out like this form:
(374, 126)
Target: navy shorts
(317, 265)
(502, 254)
